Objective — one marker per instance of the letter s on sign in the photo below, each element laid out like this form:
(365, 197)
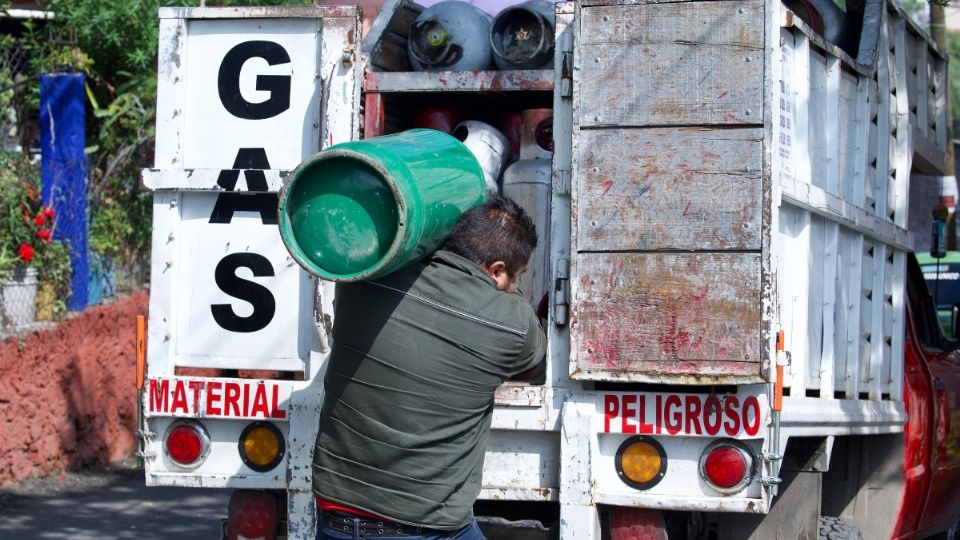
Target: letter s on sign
(228, 81)
(264, 305)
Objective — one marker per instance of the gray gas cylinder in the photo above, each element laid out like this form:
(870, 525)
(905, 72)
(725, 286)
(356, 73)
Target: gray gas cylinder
(522, 35)
(450, 36)
(528, 182)
(488, 145)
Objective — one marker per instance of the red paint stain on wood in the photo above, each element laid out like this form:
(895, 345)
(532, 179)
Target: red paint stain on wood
(606, 186)
(723, 95)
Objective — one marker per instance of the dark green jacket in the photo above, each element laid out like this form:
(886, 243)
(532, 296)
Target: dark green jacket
(409, 388)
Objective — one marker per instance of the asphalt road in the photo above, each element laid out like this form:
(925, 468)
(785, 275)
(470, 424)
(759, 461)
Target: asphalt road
(107, 504)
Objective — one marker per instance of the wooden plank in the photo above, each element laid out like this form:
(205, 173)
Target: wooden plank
(866, 315)
(836, 209)
(815, 312)
(793, 288)
(876, 322)
(817, 132)
(847, 136)
(831, 325)
(664, 188)
(860, 158)
(832, 127)
(801, 68)
(896, 366)
(903, 153)
(667, 314)
(889, 280)
(884, 112)
(921, 84)
(783, 127)
(691, 63)
(873, 149)
(852, 280)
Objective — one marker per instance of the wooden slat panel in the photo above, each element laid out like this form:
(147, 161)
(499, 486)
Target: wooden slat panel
(669, 64)
(866, 314)
(896, 367)
(852, 280)
(793, 287)
(815, 313)
(831, 325)
(817, 134)
(847, 131)
(664, 188)
(659, 314)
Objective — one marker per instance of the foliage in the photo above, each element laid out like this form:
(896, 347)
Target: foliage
(118, 44)
(53, 267)
(26, 226)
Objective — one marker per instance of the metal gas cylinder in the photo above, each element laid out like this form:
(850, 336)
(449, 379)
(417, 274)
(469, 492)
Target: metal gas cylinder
(362, 209)
(522, 36)
(450, 36)
(439, 118)
(528, 182)
(489, 146)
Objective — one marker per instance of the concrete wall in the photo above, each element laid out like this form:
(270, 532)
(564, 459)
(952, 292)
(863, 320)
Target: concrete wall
(67, 395)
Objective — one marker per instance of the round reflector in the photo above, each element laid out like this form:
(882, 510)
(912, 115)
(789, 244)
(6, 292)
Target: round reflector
(727, 466)
(186, 443)
(261, 446)
(641, 462)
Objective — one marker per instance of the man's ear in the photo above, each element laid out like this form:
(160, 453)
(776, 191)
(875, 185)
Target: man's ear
(497, 270)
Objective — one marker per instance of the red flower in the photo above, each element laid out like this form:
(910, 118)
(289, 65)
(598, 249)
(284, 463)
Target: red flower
(39, 220)
(48, 211)
(44, 234)
(26, 252)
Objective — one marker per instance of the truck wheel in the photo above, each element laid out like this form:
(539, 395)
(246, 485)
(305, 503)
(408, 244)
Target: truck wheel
(834, 528)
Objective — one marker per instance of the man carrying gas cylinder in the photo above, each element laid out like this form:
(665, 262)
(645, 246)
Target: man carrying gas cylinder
(419, 350)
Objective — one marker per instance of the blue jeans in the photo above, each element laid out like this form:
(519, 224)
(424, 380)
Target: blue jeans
(470, 532)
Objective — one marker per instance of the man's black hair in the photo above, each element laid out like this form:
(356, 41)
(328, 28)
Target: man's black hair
(496, 230)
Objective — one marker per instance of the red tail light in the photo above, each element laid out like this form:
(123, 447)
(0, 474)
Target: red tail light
(186, 443)
(727, 466)
(252, 515)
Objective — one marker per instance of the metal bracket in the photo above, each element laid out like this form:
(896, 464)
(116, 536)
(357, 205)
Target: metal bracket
(770, 481)
(561, 293)
(566, 76)
(561, 183)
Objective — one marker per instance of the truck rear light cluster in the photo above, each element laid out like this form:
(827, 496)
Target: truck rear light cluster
(252, 515)
(186, 443)
(261, 446)
(727, 466)
(641, 462)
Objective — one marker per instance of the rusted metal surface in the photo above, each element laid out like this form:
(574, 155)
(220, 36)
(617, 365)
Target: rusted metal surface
(671, 64)
(373, 115)
(661, 188)
(459, 81)
(656, 314)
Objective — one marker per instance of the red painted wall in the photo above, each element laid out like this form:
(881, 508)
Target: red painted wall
(67, 395)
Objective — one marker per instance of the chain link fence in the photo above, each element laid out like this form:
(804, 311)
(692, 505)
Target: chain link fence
(28, 303)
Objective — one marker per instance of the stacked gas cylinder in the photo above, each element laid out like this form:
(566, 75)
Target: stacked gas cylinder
(514, 147)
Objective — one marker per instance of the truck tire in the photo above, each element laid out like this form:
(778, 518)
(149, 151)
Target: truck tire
(834, 528)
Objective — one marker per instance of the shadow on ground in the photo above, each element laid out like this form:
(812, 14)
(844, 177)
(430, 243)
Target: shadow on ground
(110, 503)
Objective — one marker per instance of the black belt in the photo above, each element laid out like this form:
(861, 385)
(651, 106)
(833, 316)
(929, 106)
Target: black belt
(349, 523)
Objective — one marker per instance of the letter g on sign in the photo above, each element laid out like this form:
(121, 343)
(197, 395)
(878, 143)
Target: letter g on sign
(228, 81)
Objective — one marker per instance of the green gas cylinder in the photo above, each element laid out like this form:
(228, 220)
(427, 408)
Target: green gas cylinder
(362, 209)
